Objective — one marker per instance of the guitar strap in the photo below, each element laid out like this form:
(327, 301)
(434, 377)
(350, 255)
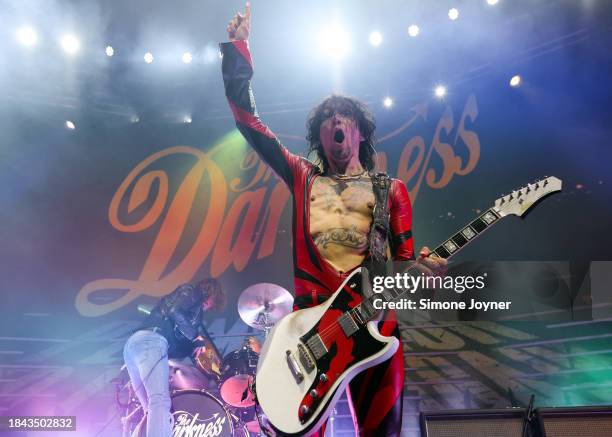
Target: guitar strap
(380, 230)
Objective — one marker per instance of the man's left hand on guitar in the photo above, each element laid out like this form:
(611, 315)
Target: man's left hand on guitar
(431, 265)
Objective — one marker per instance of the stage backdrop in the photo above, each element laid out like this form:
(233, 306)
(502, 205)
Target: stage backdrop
(115, 214)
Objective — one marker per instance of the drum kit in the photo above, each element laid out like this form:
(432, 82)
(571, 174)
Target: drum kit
(212, 397)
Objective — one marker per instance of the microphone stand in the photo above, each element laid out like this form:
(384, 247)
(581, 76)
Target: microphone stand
(528, 417)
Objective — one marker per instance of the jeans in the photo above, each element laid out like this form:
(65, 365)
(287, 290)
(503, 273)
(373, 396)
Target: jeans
(146, 357)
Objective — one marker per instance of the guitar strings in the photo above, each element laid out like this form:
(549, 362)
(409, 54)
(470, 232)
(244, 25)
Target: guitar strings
(327, 332)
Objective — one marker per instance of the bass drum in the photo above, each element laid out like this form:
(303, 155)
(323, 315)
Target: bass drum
(239, 369)
(248, 416)
(242, 431)
(198, 413)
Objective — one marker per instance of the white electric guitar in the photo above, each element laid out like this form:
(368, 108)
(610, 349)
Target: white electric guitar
(312, 354)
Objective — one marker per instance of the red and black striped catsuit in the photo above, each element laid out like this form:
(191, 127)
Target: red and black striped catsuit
(376, 393)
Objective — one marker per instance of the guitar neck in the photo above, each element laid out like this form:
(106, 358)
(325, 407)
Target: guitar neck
(447, 249)
(467, 234)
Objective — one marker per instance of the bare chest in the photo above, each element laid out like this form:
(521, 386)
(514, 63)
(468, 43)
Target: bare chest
(336, 202)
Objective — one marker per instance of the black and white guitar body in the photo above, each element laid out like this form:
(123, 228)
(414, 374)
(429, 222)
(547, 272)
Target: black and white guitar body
(311, 355)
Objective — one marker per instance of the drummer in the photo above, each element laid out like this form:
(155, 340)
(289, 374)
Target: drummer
(173, 330)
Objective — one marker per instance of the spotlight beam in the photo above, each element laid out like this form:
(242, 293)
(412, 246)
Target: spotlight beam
(27, 36)
(375, 38)
(334, 41)
(440, 91)
(70, 44)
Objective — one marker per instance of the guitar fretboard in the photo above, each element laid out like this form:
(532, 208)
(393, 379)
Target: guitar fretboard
(466, 234)
(366, 311)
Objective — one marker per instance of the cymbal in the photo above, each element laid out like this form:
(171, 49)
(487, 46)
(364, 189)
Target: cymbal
(262, 305)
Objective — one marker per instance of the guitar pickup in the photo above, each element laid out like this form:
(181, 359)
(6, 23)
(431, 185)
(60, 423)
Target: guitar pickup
(316, 346)
(305, 358)
(348, 325)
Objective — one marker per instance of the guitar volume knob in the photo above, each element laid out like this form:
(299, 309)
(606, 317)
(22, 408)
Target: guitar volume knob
(323, 377)
(304, 409)
(314, 393)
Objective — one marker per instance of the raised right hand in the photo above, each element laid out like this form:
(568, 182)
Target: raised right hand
(239, 26)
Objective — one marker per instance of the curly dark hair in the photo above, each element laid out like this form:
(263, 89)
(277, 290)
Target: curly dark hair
(347, 106)
(211, 289)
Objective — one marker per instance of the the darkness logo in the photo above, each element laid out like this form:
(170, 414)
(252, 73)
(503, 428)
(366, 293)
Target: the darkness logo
(190, 425)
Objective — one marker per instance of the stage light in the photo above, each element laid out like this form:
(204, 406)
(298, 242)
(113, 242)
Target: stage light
(135, 119)
(148, 57)
(388, 102)
(187, 119)
(453, 14)
(70, 125)
(70, 44)
(375, 38)
(413, 30)
(109, 51)
(27, 36)
(187, 58)
(515, 81)
(492, 2)
(334, 41)
(440, 91)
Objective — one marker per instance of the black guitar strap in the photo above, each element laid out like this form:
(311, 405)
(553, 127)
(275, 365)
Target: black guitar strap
(380, 230)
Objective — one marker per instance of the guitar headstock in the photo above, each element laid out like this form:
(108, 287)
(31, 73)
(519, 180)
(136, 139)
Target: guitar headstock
(520, 201)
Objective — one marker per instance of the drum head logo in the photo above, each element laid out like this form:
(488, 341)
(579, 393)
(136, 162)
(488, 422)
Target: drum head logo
(191, 425)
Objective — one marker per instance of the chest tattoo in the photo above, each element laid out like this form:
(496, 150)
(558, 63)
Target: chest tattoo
(332, 190)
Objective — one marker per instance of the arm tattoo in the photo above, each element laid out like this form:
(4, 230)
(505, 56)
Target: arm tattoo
(344, 237)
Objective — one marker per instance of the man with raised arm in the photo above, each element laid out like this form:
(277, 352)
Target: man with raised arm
(333, 205)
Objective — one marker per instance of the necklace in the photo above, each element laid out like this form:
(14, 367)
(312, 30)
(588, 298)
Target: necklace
(346, 177)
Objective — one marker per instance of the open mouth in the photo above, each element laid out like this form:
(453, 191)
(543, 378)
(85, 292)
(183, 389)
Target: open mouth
(339, 136)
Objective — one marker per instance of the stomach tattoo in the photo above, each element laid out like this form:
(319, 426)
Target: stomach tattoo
(345, 237)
